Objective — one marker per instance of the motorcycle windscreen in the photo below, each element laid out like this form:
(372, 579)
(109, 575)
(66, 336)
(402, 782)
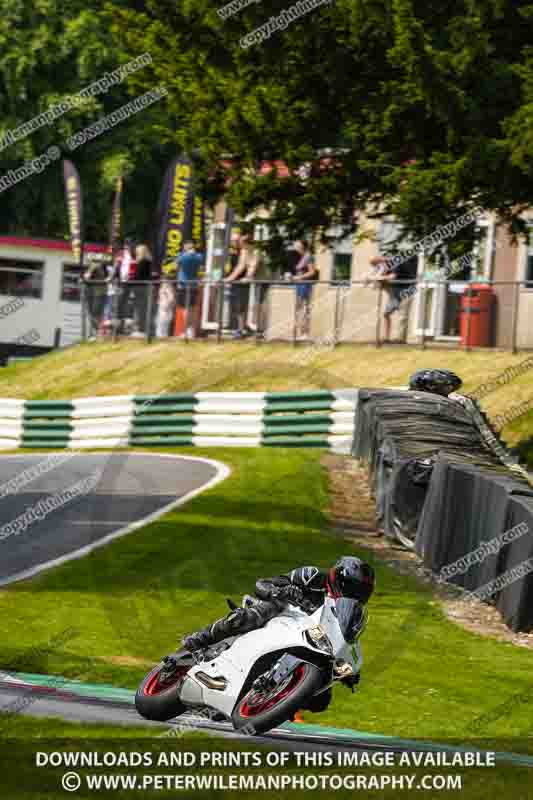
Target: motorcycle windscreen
(352, 617)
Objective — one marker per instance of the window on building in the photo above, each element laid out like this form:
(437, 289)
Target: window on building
(477, 269)
(70, 283)
(342, 268)
(473, 265)
(341, 265)
(529, 258)
(21, 278)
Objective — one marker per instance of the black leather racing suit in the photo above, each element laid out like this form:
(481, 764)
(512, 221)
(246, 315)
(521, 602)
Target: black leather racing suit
(302, 586)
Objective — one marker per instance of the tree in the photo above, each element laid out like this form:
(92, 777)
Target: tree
(446, 85)
(49, 51)
(370, 97)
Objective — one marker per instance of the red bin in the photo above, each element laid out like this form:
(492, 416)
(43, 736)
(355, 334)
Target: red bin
(475, 316)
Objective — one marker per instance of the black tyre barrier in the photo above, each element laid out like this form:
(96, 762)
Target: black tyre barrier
(399, 434)
(443, 485)
(467, 506)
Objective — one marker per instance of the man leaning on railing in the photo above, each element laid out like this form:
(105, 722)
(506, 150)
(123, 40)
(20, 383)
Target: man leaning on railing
(250, 267)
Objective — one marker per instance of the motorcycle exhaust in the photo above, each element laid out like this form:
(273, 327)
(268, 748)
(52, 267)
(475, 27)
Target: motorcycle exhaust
(219, 683)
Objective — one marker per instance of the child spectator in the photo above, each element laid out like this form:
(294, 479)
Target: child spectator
(166, 303)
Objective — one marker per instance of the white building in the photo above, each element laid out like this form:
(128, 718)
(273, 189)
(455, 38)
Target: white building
(39, 294)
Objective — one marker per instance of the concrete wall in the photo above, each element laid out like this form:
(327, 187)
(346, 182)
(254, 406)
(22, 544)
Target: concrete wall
(524, 333)
(505, 268)
(353, 308)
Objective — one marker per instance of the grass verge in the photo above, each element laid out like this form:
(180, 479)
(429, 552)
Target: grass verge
(109, 616)
(129, 367)
(160, 757)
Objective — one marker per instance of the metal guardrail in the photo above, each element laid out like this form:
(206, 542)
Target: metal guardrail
(140, 301)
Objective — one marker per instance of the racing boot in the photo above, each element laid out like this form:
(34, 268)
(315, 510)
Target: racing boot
(238, 621)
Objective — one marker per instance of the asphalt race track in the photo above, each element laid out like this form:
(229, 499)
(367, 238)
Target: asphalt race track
(48, 697)
(96, 711)
(127, 490)
(93, 711)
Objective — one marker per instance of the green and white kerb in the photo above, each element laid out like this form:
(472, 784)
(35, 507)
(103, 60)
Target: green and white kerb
(204, 419)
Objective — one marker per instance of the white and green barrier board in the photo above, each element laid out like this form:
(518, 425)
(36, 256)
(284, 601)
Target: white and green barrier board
(321, 418)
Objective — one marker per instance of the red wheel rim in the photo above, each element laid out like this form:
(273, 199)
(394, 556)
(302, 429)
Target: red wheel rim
(256, 703)
(154, 686)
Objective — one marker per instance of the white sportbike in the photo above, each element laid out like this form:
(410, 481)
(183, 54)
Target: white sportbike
(259, 679)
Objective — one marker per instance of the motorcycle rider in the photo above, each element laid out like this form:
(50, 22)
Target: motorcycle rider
(304, 586)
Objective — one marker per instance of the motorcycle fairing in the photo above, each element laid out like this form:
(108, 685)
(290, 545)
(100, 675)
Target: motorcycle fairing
(284, 632)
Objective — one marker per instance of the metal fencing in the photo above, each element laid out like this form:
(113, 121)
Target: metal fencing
(423, 312)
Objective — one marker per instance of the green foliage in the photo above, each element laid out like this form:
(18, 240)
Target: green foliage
(446, 84)
(382, 82)
(49, 51)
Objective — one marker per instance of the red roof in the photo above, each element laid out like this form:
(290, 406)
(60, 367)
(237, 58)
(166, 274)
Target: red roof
(48, 244)
(280, 167)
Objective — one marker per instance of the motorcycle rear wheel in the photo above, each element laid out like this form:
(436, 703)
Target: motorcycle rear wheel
(258, 710)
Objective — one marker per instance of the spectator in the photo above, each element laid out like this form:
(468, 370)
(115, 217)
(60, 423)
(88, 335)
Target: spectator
(127, 269)
(249, 267)
(379, 266)
(188, 264)
(144, 262)
(400, 294)
(110, 307)
(230, 297)
(95, 291)
(289, 266)
(305, 272)
(234, 251)
(166, 304)
(394, 245)
(383, 277)
(258, 270)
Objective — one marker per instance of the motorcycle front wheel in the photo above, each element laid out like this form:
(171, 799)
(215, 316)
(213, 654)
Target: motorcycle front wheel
(260, 710)
(157, 697)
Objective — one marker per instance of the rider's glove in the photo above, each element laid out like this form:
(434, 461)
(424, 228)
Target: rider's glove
(285, 594)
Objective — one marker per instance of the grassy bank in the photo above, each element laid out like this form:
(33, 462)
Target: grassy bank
(109, 616)
(132, 367)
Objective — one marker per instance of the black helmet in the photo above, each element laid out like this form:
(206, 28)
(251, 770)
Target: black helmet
(351, 577)
(436, 381)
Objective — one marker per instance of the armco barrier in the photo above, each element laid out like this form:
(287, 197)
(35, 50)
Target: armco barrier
(319, 418)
